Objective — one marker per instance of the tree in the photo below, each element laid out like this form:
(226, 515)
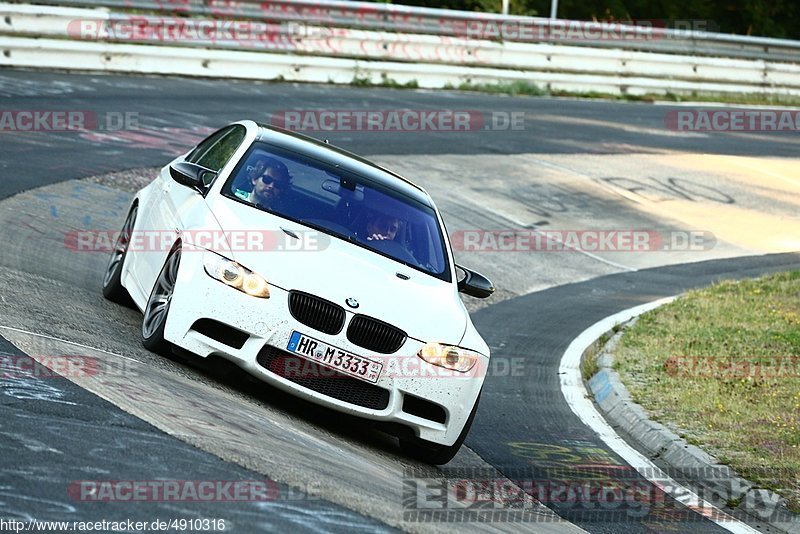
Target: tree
(769, 18)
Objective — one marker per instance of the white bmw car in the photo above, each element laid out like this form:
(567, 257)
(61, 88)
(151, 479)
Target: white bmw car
(314, 270)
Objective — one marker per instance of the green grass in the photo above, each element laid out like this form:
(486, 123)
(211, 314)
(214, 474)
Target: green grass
(729, 98)
(506, 88)
(589, 364)
(531, 89)
(365, 81)
(748, 420)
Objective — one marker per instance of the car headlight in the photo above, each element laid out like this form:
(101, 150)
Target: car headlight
(449, 356)
(231, 273)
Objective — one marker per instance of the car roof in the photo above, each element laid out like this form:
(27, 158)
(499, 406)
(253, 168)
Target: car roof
(334, 155)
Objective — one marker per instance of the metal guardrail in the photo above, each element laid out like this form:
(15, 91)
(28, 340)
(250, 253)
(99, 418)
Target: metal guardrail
(464, 24)
(96, 39)
(99, 25)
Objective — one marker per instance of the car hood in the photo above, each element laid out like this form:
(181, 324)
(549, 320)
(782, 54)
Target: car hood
(426, 308)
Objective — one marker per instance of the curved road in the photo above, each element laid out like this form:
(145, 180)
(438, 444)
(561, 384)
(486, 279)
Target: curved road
(576, 165)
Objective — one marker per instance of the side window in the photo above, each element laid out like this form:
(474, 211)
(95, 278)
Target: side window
(216, 150)
(205, 145)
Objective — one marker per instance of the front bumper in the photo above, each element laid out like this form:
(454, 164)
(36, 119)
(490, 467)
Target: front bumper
(268, 323)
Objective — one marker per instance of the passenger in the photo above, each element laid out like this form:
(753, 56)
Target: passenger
(382, 227)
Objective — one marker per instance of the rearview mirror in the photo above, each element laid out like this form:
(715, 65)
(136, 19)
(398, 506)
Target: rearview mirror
(192, 175)
(343, 189)
(475, 284)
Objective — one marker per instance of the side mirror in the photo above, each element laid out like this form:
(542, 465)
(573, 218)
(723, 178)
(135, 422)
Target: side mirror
(475, 284)
(192, 175)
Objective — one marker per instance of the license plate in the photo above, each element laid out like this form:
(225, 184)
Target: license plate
(334, 357)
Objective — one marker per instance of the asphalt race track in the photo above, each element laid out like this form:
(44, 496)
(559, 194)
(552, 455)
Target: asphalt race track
(576, 165)
(64, 433)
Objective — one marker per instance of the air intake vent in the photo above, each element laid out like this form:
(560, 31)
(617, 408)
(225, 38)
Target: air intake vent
(375, 335)
(221, 332)
(322, 379)
(424, 408)
(319, 314)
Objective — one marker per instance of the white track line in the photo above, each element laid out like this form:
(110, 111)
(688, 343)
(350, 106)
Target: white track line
(578, 399)
(28, 332)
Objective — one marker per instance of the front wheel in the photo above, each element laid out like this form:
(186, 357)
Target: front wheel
(432, 453)
(157, 308)
(112, 281)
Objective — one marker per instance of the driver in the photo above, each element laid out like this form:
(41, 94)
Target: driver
(271, 188)
(244, 181)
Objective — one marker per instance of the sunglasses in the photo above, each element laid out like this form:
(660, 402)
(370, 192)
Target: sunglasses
(277, 182)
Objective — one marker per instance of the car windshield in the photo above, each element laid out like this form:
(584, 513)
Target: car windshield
(341, 204)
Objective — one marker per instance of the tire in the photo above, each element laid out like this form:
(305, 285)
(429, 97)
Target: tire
(432, 453)
(157, 308)
(112, 280)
